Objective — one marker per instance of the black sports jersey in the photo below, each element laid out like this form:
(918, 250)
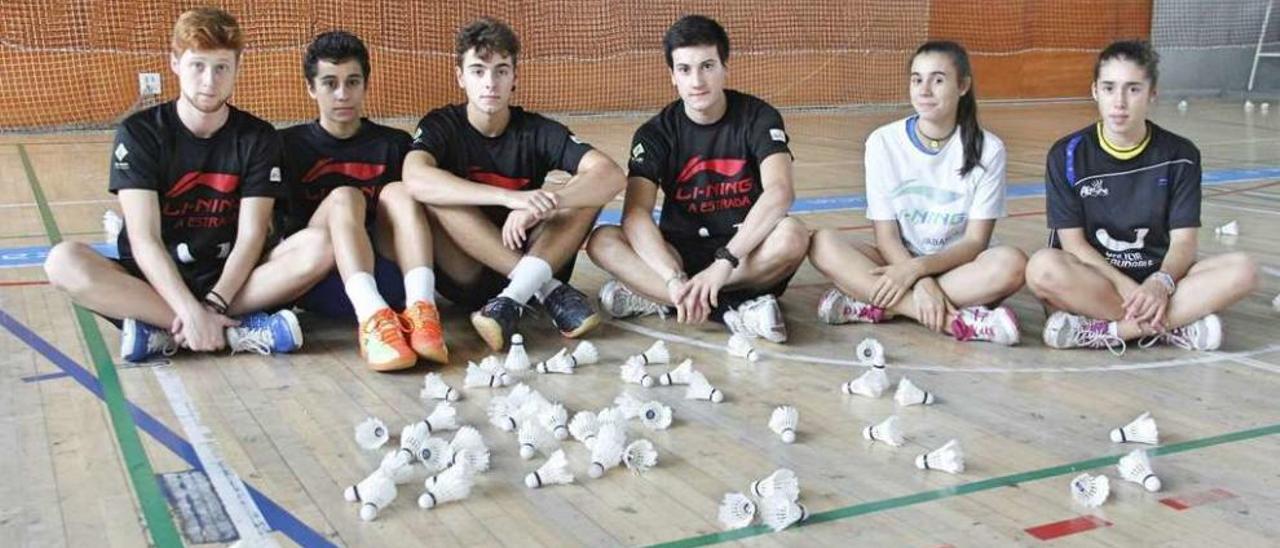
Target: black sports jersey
(709, 174)
(316, 162)
(199, 182)
(1126, 207)
(519, 159)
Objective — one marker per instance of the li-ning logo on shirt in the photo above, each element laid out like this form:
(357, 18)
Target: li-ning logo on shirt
(727, 167)
(224, 183)
(1120, 246)
(497, 179)
(356, 170)
(937, 196)
(1094, 190)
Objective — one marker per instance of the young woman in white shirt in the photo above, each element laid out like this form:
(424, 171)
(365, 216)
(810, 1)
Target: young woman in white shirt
(935, 185)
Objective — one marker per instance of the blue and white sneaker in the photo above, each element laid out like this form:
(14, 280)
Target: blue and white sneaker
(140, 342)
(264, 333)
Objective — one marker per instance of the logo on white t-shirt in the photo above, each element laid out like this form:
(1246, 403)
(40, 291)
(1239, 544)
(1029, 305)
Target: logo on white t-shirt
(1120, 246)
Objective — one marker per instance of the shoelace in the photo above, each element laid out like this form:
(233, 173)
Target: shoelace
(252, 339)
(633, 301)
(1089, 337)
(162, 344)
(416, 317)
(1177, 337)
(387, 327)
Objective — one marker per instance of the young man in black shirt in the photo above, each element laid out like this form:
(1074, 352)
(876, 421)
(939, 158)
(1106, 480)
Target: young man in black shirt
(1124, 209)
(722, 160)
(196, 179)
(343, 174)
(480, 167)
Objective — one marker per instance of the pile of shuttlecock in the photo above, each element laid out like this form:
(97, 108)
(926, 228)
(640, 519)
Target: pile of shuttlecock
(776, 501)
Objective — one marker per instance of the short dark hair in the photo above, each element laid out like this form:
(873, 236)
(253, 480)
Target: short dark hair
(1139, 52)
(696, 30)
(335, 46)
(487, 36)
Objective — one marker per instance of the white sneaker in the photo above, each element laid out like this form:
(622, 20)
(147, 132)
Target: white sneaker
(979, 323)
(759, 317)
(1065, 330)
(837, 308)
(620, 302)
(1202, 334)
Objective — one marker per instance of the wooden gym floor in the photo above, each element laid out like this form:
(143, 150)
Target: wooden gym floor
(1029, 418)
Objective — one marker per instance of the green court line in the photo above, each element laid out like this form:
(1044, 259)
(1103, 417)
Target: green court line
(154, 511)
(974, 487)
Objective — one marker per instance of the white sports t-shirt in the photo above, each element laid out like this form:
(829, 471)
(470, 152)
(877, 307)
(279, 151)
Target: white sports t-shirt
(924, 191)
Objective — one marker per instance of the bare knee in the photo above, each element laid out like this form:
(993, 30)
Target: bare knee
(603, 242)
(65, 266)
(1244, 271)
(1007, 268)
(1045, 272)
(825, 247)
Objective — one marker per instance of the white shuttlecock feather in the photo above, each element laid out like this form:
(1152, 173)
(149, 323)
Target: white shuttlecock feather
(448, 486)
(871, 384)
(434, 388)
(468, 446)
(736, 511)
(606, 452)
(701, 389)
(781, 483)
(1090, 491)
(910, 394)
(556, 419)
(491, 363)
(1141, 430)
(372, 433)
(656, 353)
(679, 375)
(559, 363)
(443, 417)
(584, 427)
(398, 465)
(553, 472)
(655, 416)
(479, 377)
(887, 431)
(374, 493)
(517, 358)
(870, 353)
(740, 347)
(1136, 467)
(948, 458)
(584, 354)
(628, 405)
(783, 422)
(533, 439)
(639, 456)
(634, 373)
(778, 512)
(501, 415)
(435, 454)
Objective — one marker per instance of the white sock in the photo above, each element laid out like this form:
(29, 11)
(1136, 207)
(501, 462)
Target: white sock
(543, 292)
(528, 275)
(363, 292)
(419, 285)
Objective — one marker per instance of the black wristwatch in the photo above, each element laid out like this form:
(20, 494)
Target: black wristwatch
(724, 253)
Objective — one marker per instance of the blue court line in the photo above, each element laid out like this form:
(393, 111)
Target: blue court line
(44, 377)
(34, 255)
(277, 517)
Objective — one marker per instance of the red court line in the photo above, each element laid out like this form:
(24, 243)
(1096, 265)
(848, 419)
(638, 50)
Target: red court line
(1050, 531)
(24, 283)
(1197, 499)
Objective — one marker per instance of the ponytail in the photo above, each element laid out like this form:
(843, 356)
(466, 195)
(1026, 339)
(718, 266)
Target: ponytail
(967, 111)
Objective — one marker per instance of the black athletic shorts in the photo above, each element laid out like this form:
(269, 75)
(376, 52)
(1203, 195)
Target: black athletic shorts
(698, 253)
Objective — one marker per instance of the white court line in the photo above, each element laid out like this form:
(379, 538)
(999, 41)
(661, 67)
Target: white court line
(55, 204)
(244, 513)
(1201, 358)
(1242, 208)
(1256, 364)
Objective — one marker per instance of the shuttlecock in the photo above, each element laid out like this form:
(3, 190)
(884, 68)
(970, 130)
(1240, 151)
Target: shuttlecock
(887, 431)
(584, 427)
(657, 353)
(374, 493)
(434, 388)
(870, 352)
(736, 511)
(633, 372)
(1182, 105)
(112, 224)
(443, 417)
(778, 513)
(679, 375)
(555, 418)
(397, 465)
(740, 347)
(435, 454)
(1141, 430)
(584, 354)
(468, 447)
(701, 389)
(559, 363)
(606, 452)
(640, 456)
(871, 384)
(948, 458)
(413, 435)
(910, 394)
(783, 422)
(1275, 303)
(1090, 491)
(478, 377)
(1266, 107)
(1248, 105)
(372, 433)
(781, 483)
(655, 416)
(452, 484)
(1230, 229)
(1136, 467)
(501, 415)
(553, 472)
(517, 358)
(628, 405)
(533, 439)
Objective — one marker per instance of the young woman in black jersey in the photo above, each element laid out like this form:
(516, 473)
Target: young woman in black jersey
(724, 248)
(1124, 212)
(197, 179)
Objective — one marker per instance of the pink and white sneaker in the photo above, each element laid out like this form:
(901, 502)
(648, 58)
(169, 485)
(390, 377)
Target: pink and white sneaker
(979, 323)
(836, 308)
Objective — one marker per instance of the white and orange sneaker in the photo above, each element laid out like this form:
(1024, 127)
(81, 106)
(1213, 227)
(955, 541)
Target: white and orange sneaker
(426, 336)
(382, 343)
(979, 323)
